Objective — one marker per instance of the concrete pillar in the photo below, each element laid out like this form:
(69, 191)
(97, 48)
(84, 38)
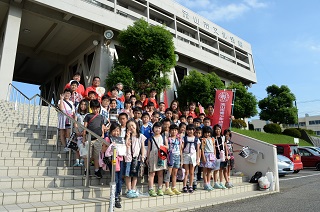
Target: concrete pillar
(9, 48)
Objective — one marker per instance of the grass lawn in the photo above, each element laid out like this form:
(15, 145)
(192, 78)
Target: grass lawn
(270, 138)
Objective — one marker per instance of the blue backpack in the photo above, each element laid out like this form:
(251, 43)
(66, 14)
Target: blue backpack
(195, 143)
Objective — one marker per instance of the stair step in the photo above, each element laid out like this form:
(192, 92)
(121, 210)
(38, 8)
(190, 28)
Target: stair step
(18, 129)
(26, 146)
(51, 135)
(30, 140)
(29, 195)
(33, 162)
(33, 154)
(52, 181)
(88, 199)
(27, 126)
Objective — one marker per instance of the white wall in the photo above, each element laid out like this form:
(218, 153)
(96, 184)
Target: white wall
(266, 160)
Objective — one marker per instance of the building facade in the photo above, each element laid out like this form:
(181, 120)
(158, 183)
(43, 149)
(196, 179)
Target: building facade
(44, 42)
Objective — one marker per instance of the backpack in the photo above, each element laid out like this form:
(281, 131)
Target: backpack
(255, 177)
(181, 174)
(195, 143)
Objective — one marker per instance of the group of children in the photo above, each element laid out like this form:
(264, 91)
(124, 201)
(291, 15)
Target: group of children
(188, 140)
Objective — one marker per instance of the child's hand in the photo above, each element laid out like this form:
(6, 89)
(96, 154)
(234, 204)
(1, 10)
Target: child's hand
(62, 96)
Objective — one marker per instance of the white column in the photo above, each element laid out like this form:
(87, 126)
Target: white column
(9, 49)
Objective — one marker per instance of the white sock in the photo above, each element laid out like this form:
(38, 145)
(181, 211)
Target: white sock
(77, 161)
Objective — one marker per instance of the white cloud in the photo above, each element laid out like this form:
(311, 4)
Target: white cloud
(255, 3)
(309, 44)
(228, 12)
(216, 11)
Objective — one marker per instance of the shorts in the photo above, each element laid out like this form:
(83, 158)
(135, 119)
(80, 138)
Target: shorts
(223, 164)
(96, 146)
(176, 161)
(127, 172)
(190, 158)
(231, 163)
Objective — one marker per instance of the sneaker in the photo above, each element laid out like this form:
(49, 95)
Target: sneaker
(66, 149)
(136, 193)
(228, 185)
(131, 194)
(190, 190)
(222, 186)
(169, 192)
(81, 162)
(76, 164)
(117, 203)
(160, 192)
(185, 189)
(176, 191)
(194, 187)
(98, 174)
(217, 186)
(208, 187)
(152, 193)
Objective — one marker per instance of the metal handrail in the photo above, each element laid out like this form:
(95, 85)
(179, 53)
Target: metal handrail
(12, 95)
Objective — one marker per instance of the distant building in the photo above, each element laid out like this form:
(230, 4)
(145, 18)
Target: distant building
(307, 122)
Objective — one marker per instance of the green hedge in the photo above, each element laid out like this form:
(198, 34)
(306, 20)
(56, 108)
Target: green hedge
(238, 123)
(292, 132)
(272, 128)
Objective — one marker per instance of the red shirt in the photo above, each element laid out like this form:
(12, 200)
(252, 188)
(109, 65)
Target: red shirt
(80, 89)
(211, 119)
(145, 102)
(91, 88)
(193, 114)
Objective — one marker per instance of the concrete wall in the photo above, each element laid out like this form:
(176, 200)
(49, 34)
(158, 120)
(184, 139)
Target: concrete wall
(266, 160)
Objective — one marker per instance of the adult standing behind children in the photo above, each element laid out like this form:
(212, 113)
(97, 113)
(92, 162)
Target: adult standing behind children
(152, 98)
(80, 89)
(93, 87)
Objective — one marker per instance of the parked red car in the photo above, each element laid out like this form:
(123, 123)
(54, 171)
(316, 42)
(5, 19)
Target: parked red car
(291, 151)
(310, 157)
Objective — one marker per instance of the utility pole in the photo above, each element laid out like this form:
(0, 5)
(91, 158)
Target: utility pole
(295, 103)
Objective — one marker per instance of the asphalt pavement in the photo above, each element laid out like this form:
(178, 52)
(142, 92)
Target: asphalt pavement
(298, 192)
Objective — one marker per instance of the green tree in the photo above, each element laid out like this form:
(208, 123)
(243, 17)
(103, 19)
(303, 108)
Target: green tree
(278, 105)
(245, 103)
(149, 53)
(120, 74)
(215, 83)
(197, 87)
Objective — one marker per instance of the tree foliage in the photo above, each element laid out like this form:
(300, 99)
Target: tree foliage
(278, 105)
(120, 74)
(245, 103)
(197, 87)
(149, 53)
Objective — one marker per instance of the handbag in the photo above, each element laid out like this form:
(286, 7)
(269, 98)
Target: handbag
(162, 151)
(71, 144)
(134, 167)
(222, 154)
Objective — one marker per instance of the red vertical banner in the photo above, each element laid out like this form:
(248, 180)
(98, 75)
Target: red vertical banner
(222, 108)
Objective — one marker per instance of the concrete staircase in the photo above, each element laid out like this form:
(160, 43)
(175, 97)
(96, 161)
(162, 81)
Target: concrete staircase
(34, 175)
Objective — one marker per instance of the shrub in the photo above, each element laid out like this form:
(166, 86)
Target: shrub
(272, 128)
(238, 123)
(292, 132)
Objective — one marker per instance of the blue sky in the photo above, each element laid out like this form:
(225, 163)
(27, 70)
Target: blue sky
(285, 40)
